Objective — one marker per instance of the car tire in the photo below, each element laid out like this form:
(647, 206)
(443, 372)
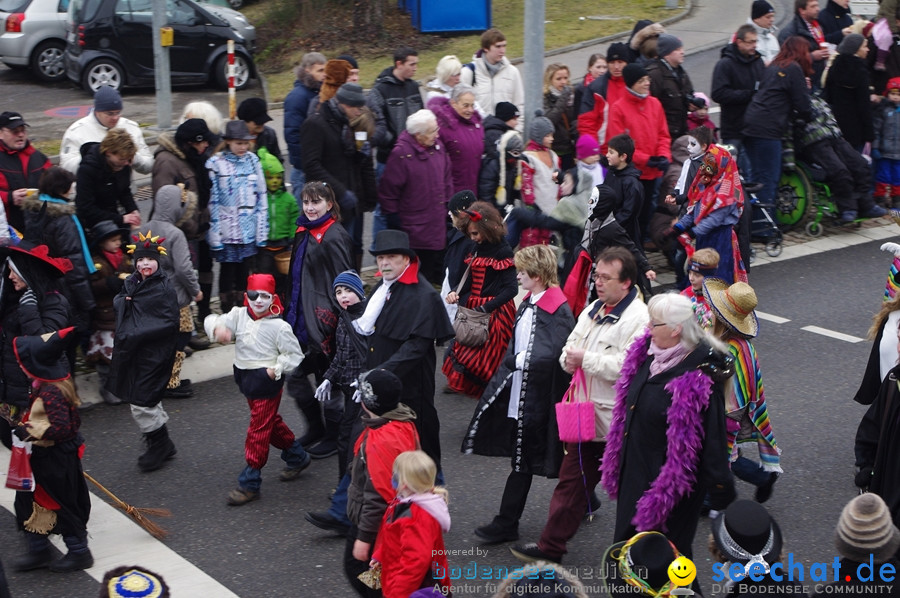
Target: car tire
(47, 61)
(100, 72)
(243, 72)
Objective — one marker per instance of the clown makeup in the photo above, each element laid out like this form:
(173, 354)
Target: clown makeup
(147, 266)
(315, 206)
(274, 181)
(694, 148)
(260, 301)
(345, 297)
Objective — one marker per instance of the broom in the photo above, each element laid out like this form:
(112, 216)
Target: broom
(139, 514)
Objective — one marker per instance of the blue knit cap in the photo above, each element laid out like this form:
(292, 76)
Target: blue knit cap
(351, 280)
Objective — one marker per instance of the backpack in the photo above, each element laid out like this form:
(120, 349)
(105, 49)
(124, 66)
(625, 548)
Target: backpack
(471, 67)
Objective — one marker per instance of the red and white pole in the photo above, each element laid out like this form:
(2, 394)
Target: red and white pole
(232, 100)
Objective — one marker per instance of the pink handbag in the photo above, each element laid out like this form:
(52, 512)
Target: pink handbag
(575, 413)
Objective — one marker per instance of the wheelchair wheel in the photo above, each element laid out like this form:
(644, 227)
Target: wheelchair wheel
(773, 248)
(814, 229)
(794, 194)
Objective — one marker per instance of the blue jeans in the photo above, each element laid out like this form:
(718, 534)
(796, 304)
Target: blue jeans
(750, 471)
(295, 457)
(250, 479)
(743, 161)
(298, 179)
(765, 160)
(338, 508)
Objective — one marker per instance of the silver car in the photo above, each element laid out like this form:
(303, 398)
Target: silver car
(33, 35)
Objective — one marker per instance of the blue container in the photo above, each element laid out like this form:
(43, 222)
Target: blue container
(438, 16)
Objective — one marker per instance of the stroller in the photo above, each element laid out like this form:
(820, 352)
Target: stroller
(763, 228)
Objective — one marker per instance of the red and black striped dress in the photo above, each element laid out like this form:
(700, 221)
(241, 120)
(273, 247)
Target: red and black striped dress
(491, 284)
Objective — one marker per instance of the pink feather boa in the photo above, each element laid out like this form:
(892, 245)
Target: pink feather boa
(690, 397)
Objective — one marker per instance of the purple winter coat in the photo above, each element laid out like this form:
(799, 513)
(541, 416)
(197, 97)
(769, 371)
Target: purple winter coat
(464, 140)
(417, 185)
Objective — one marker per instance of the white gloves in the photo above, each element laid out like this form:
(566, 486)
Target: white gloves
(891, 248)
(520, 360)
(323, 393)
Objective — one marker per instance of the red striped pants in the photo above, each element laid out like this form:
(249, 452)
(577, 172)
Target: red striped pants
(266, 427)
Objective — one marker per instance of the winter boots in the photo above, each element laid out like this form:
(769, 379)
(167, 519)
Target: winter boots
(160, 449)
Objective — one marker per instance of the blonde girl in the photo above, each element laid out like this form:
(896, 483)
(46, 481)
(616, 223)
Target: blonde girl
(559, 107)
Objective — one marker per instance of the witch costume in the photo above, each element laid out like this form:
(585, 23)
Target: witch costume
(666, 446)
(876, 446)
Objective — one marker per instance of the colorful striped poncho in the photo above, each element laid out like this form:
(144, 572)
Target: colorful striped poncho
(749, 404)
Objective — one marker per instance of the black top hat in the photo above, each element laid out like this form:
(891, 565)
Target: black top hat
(40, 356)
(392, 241)
(745, 533)
(104, 229)
(640, 562)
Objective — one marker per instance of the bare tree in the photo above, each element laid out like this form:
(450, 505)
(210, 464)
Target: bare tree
(368, 18)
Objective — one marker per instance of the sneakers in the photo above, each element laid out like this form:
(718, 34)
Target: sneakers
(289, 474)
(528, 553)
(875, 211)
(848, 216)
(764, 492)
(239, 496)
(494, 533)
(325, 520)
(73, 561)
(323, 450)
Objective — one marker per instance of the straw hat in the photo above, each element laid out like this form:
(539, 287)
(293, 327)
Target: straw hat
(733, 305)
(865, 528)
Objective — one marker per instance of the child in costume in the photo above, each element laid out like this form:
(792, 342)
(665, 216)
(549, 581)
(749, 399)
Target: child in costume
(147, 323)
(283, 213)
(410, 547)
(265, 350)
(388, 431)
(60, 503)
(703, 263)
(886, 146)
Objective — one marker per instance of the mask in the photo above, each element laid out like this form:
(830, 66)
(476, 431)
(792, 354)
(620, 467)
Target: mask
(595, 197)
(708, 169)
(693, 148)
(260, 301)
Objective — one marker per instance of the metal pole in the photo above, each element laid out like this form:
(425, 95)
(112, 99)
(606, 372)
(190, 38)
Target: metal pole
(534, 58)
(161, 63)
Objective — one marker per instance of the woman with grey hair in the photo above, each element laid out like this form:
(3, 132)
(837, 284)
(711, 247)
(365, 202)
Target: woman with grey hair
(666, 446)
(462, 134)
(415, 189)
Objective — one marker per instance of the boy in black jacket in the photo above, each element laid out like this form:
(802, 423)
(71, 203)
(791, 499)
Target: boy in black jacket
(624, 179)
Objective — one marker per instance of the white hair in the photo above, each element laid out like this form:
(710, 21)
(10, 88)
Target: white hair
(419, 122)
(461, 90)
(674, 310)
(447, 67)
(206, 111)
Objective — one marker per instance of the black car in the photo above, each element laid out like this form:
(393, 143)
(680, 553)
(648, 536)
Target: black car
(110, 42)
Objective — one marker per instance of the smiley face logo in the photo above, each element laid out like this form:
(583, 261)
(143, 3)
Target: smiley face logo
(682, 571)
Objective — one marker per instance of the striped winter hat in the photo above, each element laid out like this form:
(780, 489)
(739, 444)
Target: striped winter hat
(865, 528)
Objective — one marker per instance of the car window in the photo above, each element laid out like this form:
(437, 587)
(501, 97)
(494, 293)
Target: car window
(82, 11)
(63, 6)
(180, 13)
(134, 11)
(14, 5)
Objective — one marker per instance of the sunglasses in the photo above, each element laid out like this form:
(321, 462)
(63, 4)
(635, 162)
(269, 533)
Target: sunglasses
(254, 295)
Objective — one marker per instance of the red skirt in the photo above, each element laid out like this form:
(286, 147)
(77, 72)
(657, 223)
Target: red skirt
(469, 369)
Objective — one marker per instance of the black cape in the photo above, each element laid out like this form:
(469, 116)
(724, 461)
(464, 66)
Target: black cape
(877, 448)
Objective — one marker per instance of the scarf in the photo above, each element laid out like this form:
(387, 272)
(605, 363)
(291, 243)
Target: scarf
(81, 238)
(643, 96)
(690, 397)
(815, 30)
(115, 258)
(724, 188)
(665, 359)
(295, 315)
(748, 393)
(365, 324)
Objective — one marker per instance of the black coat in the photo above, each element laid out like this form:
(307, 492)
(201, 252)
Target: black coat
(735, 80)
(626, 184)
(877, 440)
(329, 154)
(797, 26)
(672, 87)
(459, 246)
(99, 190)
(847, 91)
(833, 19)
(52, 313)
(489, 175)
(412, 319)
(782, 94)
(392, 101)
(532, 440)
(147, 316)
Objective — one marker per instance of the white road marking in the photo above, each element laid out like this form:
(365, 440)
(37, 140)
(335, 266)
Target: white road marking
(770, 318)
(116, 540)
(832, 334)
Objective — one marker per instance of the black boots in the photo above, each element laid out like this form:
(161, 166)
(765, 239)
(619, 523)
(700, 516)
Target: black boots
(160, 449)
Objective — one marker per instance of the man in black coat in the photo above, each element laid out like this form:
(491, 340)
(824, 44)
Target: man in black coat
(806, 25)
(670, 84)
(103, 181)
(404, 317)
(329, 152)
(836, 20)
(735, 79)
(21, 166)
(393, 98)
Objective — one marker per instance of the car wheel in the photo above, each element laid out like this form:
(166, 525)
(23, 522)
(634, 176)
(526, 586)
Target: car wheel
(47, 61)
(102, 72)
(242, 71)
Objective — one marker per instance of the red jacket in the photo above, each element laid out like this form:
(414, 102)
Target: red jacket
(645, 121)
(594, 122)
(411, 551)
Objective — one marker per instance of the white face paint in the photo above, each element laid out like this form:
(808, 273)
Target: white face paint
(694, 148)
(260, 301)
(595, 197)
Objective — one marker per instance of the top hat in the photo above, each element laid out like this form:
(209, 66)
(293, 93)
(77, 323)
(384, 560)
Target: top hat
(639, 564)
(392, 241)
(104, 229)
(745, 533)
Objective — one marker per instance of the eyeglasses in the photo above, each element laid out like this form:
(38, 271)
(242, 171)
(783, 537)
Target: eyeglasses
(254, 295)
(603, 278)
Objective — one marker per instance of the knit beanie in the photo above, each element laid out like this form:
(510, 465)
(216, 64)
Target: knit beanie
(351, 94)
(107, 99)
(461, 200)
(146, 245)
(349, 59)
(760, 8)
(586, 146)
(540, 127)
(865, 528)
(666, 44)
(851, 44)
(506, 111)
(893, 83)
(380, 391)
(351, 280)
(632, 73)
(133, 582)
(617, 51)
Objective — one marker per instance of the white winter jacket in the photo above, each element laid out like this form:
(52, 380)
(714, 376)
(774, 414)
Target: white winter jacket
(605, 340)
(767, 43)
(505, 86)
(89, 129)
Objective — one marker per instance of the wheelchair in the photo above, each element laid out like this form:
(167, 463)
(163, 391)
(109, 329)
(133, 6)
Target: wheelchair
(801, 189)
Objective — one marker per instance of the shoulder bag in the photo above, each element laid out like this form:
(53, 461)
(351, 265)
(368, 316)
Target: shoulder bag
(471, 326)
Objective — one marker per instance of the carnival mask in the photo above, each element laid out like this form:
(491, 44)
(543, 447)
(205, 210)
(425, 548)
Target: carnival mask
(259, 301)
(693, 147)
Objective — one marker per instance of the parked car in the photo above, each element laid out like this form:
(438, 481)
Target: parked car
(110, 42)
(236, 19)
(33, 35)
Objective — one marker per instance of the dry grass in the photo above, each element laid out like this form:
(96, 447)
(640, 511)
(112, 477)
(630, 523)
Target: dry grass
(283, 40)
